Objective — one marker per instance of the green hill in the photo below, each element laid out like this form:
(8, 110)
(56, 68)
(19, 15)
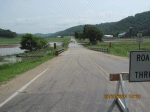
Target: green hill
(7, 33)
(140, 23)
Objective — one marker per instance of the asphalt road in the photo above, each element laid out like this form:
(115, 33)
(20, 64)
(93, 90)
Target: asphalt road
(75, 81)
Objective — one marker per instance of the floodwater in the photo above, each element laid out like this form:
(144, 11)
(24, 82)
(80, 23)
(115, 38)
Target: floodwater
(57, 44)
(11, 59)
(16, 50)
(75, 45)
(10, 51)
(110, 41)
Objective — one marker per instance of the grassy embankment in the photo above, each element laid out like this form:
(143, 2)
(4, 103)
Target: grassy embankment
(122, 47)
(10, 70)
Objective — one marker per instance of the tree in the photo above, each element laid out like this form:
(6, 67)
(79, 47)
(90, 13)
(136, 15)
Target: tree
(92, 33)
(30, 42)
(78, 34)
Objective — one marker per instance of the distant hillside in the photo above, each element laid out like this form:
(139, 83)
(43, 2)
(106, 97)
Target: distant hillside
(36, 34)
(68, 32)
(140, 23)
(7, 33)
(42, 35)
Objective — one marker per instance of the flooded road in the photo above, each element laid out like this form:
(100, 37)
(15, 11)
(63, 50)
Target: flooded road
(74, 43)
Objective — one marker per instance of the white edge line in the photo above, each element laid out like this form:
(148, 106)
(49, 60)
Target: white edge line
(56, 61)
(67, 52)
(21, 89)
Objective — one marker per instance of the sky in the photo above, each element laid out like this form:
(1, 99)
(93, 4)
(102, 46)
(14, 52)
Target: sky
(50, 16)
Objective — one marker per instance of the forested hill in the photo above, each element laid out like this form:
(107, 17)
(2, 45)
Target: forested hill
(7, 33)
(68, 32)
(36, 34)
(140, 23)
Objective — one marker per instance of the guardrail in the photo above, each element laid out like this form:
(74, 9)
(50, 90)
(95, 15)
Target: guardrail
(101, 49)
(59, 51)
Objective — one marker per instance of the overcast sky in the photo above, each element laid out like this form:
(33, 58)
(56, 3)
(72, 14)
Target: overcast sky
(50, 16)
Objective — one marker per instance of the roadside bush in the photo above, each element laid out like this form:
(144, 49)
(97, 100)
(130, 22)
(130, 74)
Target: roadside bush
(30, 42)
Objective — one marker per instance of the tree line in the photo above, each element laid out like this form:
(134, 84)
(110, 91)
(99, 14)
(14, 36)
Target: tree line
(7, 33)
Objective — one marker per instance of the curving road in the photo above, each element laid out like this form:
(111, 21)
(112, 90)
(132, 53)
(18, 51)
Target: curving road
(75, 81)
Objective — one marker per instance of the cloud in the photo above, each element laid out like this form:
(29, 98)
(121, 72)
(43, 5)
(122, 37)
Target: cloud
(84, 2)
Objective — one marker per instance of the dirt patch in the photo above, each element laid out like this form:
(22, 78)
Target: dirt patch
(8, 45)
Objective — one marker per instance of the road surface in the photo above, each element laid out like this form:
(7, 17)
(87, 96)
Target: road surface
(75, 81)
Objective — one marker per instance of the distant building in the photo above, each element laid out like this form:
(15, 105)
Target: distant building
(124, 35)
(58, 37)
(121, 35)
(108, 36)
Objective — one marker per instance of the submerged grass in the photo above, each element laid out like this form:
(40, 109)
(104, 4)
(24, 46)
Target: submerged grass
(10, 70)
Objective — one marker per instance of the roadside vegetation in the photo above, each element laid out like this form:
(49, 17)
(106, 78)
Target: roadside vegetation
(90, 32)
(17, 40)
(10, 70)
(82, 41)
(122, 48)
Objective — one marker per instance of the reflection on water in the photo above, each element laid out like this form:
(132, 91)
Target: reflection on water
(74, 45)
(57, 44)
(10, 51)
(11, 59)
(17, 50)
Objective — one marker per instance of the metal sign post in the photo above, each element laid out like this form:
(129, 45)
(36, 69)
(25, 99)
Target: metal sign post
(139, 71)
(139, 38)
(119, 77)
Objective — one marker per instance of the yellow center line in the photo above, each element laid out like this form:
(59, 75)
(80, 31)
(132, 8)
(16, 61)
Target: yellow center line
(116, 82)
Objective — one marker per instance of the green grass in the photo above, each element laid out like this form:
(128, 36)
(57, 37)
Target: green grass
(122, 49)
(1, 59)
(66, 42)
(10, 70)
(57, 39)
(15, 40)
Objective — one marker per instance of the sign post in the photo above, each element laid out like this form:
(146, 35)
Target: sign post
(110, 44)
(120, 77)
(139, 38)
(139, 71)
(54, 45)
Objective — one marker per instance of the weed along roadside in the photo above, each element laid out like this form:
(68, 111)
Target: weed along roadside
(120, 48)
(29, 61)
